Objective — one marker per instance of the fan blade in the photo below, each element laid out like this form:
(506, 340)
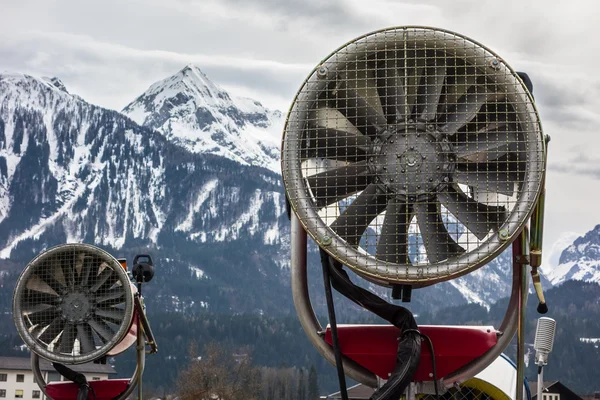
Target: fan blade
(34, 297)
(43, 317)
(67, 339)
(86, 271)
(438, 242)
(52, 331)
(468, 106)
(102, 329)
(390, 86)
(458, 82)
(359, 112)
(393, 241)
(106, 276)
(51, 281)
(86, 338)
(35, 332)
(68, 269)
(110, 282)
(334, 144)
(355, 219)
(336, 184)
(477, 217)
(429, 93)
(497, 177)
(114, 294)
(114, 315)
(69, 273)
(487, 142)
(415, 65)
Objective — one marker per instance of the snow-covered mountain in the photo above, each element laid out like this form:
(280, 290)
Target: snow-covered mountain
(74, 172)
(196, 113)
(580, 261)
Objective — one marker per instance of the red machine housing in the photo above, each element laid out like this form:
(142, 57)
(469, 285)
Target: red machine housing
(375, 347)
(104, 390)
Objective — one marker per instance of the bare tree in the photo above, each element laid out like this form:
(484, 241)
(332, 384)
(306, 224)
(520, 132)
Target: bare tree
(219, 374)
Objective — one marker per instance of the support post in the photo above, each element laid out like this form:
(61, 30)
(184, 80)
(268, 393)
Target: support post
(305, 311)
(141, 351)
(540, 385)
(333, 323)
(521, 257)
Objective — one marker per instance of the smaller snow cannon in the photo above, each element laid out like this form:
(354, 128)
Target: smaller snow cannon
(74, 304)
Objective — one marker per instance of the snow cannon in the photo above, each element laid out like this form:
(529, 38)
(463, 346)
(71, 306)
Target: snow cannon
(74, 304)
(412, 156)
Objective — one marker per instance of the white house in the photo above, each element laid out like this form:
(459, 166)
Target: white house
(17, 380)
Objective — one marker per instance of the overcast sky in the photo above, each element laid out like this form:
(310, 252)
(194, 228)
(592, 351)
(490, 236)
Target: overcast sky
(110, 51)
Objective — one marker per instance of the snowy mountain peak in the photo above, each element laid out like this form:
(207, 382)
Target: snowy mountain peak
(57, 83)
(587, 246)
(192, 111)
(194, 79)
(579, 261)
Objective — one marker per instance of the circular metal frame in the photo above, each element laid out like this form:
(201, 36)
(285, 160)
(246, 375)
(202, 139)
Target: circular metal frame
(72, 306)
(363, 263)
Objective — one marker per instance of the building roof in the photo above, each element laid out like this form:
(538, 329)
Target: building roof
(355, 392)
(24, 364)
(555, 386)
(533, 387)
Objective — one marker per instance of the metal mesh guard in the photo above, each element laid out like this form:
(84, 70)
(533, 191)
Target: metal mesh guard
(413, 155)
(73, 303)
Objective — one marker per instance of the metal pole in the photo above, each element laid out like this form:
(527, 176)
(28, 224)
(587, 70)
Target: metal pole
(411, 391)
(37, 373)
(522, 306)
(540, 386)
(507, 329)
(306, 313)
(141, 348)
(332, 321)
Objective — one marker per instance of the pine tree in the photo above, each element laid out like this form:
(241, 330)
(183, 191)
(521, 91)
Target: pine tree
(313, 384)
(301, 394)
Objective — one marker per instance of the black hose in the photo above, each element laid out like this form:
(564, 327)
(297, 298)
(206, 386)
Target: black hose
(333, 323)
(409, 346)
(77, 378)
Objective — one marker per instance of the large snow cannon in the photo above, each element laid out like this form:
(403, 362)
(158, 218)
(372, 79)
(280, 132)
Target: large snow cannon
(412, 156)
(76, 303)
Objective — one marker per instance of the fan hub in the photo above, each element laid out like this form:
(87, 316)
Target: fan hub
(412, 162)
(76, 306)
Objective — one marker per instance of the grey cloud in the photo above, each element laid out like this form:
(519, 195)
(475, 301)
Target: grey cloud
(592, 171)
(319, 13)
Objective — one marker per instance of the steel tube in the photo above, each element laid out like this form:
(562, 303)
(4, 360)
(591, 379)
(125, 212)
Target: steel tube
(141, 348)
(508, 327)
(540, 385)
(37, 373)
(139, 369)
(523, 263)
(333, 323)
(306, 313)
